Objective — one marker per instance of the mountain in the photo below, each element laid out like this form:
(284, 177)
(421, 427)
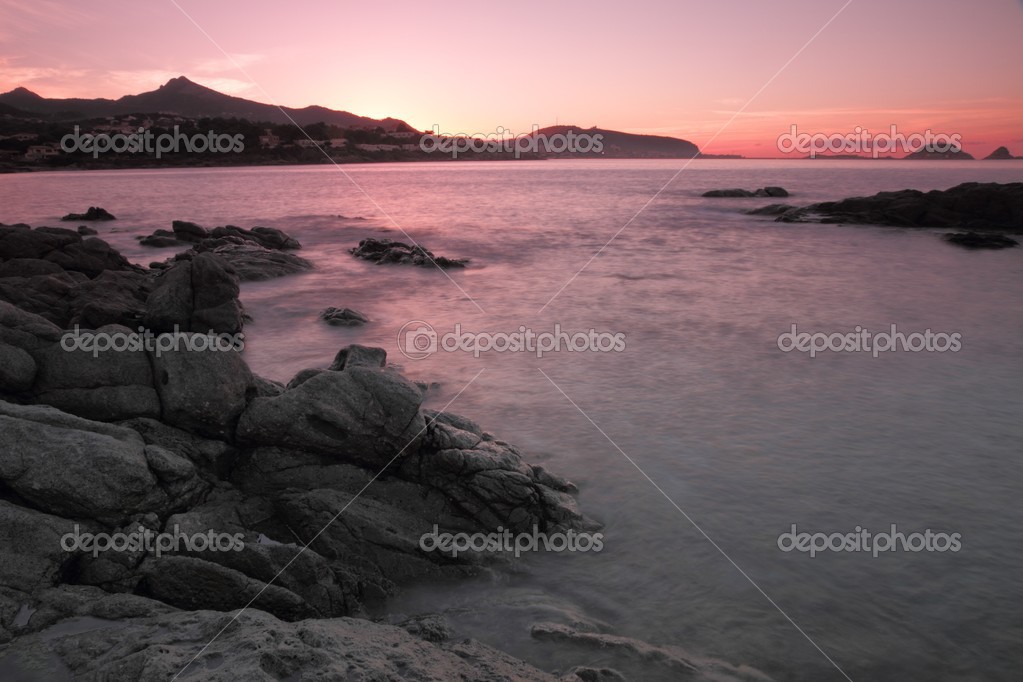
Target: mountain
(955, 153)
(618, 144)
(185, 98)
(1000, 154)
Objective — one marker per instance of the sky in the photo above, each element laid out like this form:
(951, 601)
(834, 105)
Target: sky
(729, 75)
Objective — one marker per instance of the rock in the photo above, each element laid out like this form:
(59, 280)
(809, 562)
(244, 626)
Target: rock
(86, 231)
(104, 386)
(388, 251)
(762, 192)
(655, 660)
(976, 240)
(93, 213)
(716, 193)
(28, 267)
(343, 317)
(355, 355)
(771, 209)
(66, 248)
(159, 241)
(25, 330)
(267, 237)
(195, 295)
(113, 297)
(17, 369)
(1000, 154)
(202, 391)
(489, 480)
(359, 415)
(303, 376)
(256, 646)
(211, 455)
(32, 558)
(191, 583)
(76, 468)
(188, 232)
(255, 263)
(973, 205)
(582, 673)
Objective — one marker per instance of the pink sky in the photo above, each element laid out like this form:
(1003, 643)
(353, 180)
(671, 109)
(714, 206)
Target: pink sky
(670, 67)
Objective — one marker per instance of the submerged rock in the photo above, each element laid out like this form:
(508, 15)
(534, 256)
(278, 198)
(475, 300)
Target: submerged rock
(974, 205)
(93, 213)
(388, 251)
(762, 192)
(976, 240)
(343, 317)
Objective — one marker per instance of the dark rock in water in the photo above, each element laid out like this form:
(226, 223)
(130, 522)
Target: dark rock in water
(188, 232)
(358, 415)
(358, 356)
(267, 237)
(93, 213)
(160, 241)
(762, 192)
(771, 209)
(61, 246)
(343, 317)
(255, 263)
(977, 206)
(976, 240)
(715, 193)
(86, 231)
(198, 294)
(1000, 154)
(388, 251)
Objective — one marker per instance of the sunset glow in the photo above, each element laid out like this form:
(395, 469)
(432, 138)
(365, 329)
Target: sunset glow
(680, 69)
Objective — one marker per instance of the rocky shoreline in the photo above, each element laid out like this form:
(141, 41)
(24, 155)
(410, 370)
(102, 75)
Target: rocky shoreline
(127, 409)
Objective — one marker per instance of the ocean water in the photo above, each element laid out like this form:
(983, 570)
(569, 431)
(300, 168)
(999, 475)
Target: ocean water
(699, 443)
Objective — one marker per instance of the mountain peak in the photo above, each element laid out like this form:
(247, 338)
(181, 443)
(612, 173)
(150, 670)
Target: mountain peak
(181, 85)
(23, 92)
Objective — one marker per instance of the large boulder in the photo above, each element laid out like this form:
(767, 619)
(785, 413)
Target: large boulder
(32, 557)
(202, 391)
(255, 263)
(360, 415)
(17, 369)
(104, 385)
(72, 467)
(196, 295)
